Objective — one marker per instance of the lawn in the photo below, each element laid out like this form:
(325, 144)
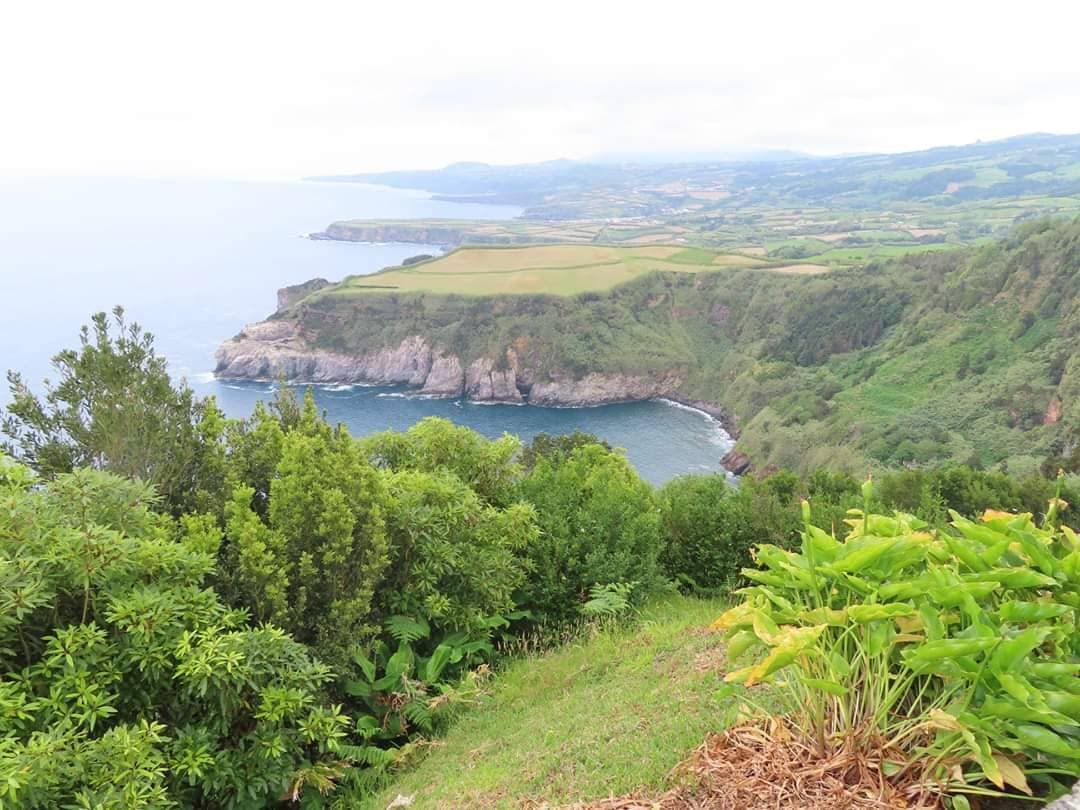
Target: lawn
(601, 716)
(553, 269)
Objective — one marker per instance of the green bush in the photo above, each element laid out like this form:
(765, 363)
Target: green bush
(599, 524)
(707, 530)
(487, 466)
(454, 558)
(313, 563)
(948, 659)
(126, 683)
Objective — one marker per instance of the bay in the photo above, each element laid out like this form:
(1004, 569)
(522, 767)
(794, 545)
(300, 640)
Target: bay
(194, 260)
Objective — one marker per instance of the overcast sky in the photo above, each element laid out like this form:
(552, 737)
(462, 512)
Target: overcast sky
(287, 89)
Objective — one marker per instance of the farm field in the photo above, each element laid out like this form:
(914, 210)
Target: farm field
(552, 269)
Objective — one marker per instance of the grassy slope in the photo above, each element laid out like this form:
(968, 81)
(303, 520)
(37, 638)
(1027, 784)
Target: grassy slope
(601, 716)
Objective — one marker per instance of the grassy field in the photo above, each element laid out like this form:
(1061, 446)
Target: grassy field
(602, 716)
(553, 269)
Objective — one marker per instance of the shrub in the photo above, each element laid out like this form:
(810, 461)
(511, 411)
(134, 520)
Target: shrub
(312, 564)
(126, 683)
(454, 558)
(949, 659)
(432, 444)
(115, 408)
(599, 524)
(708, 531)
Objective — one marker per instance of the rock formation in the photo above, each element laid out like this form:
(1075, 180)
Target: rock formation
(267, 349)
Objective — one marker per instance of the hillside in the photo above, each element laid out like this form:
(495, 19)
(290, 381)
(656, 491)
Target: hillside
(601, 716)
(961, 355)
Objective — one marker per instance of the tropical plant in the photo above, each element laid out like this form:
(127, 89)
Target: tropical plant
(948, 659)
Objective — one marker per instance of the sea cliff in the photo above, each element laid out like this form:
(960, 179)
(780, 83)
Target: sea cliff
(267, 349)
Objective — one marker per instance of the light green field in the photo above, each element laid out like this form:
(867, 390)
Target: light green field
(551, 269)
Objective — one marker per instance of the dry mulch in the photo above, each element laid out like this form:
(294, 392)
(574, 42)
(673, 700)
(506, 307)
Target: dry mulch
(765, 765)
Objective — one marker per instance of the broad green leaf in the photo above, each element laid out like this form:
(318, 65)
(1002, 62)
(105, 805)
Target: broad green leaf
(831, 687)
(366, 665)
(864, 614)
(1014, 611)
(740, 643)
(1015, 578)
(1043, 739)
(949, 648)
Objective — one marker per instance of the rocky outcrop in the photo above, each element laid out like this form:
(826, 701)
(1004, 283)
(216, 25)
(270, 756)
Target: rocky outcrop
(278, 347)
(265, 350)
(597, 388)
(485, 383)
(445, 377)
(420, 233)
(287, 296)
(1053, 412)
(735, 462)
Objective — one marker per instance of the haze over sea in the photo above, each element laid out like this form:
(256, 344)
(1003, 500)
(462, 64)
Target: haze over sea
(194, 260)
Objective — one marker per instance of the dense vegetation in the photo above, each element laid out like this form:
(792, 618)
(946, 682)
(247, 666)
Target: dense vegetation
(268, 610)
(956, 357)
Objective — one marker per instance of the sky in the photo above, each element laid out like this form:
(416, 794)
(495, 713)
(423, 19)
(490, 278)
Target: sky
(277, 90)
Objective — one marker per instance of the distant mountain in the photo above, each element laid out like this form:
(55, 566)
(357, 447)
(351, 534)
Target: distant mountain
(657, 184)
(702, 156)
(520, 184)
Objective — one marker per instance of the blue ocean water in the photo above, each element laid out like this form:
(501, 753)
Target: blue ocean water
(194, 260)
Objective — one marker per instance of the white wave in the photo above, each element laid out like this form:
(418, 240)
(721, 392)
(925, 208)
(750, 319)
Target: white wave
(410, 395)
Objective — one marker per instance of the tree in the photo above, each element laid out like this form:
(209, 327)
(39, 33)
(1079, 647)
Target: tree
(115, 408)
(311, 556)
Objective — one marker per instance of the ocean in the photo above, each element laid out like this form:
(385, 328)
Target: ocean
(192, 261)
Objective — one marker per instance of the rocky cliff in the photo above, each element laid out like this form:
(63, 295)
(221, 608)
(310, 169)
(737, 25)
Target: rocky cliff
(267, 349)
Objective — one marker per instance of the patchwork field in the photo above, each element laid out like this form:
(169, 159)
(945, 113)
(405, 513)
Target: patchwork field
(552, 269)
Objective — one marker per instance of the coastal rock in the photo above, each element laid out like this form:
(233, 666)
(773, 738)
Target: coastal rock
(265, 350)
(598, 388)
(735, 462)
(485, 383)
(270, 348)
(446, 377)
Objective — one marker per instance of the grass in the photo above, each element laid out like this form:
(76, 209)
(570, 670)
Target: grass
(602, 716)
(550, 269)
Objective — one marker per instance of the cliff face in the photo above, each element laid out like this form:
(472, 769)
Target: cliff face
(269, 348)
